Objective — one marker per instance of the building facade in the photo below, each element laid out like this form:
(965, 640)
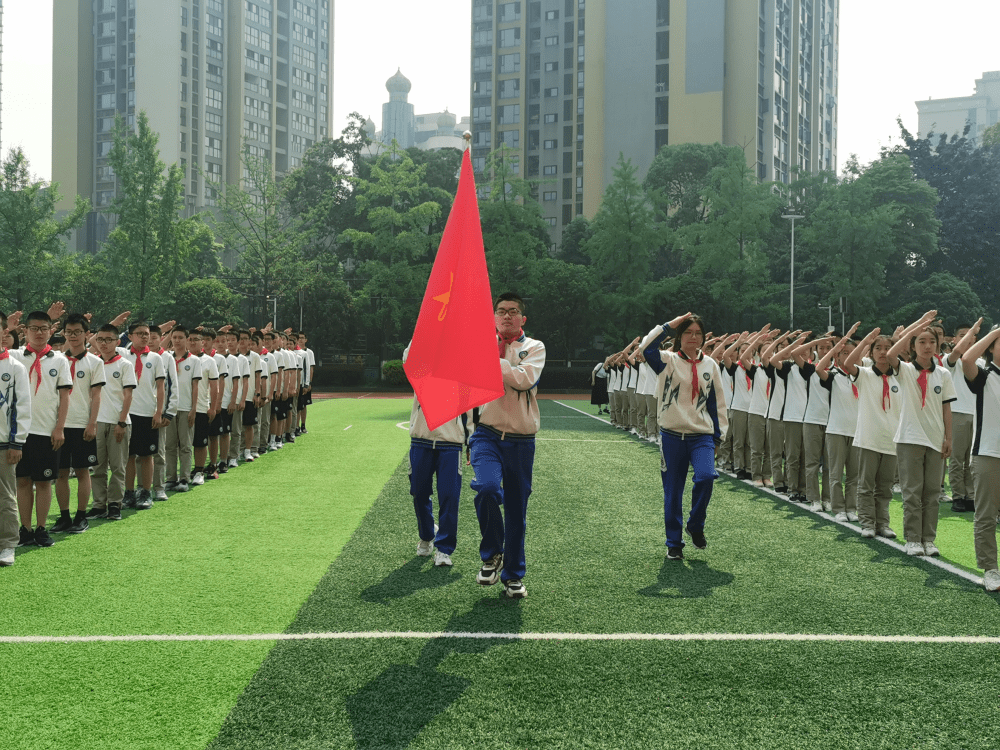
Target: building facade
(571, 84)
(212, 75)
(950, 116)
(429, 131)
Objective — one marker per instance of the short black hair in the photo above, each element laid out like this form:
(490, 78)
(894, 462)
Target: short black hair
(17, 339)
(683, 326)
(242, 332)
(256, 336)
(208, 333)
(77, 319)
(155, 329)
(57, 339)
(139, 324)
(510, 297)
(38, 315)
(178, 329)
(108, 328)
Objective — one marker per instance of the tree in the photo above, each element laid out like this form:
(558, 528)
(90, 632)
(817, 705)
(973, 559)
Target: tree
(991, 136)
(255, 221)
(575, 236)
(624, 234)
(562, 313)
(953, 298)
(146, 250)
(32, 262)
(678, 177)
(203, 302)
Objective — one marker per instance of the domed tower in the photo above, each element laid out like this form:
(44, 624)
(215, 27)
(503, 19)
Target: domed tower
(397, 113)
(446, 123)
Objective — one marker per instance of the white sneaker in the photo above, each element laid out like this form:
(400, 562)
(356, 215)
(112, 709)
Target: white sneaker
(272, 448)
(897, 490)
(442, 559)
(827, 506)
(161, 495)
(254, 455)
(885, 532)
(991, 578)
(198, 479)
(930, 550)
(842, 517)
(7, 557)
(424, 548)
(233, 463)
(816, 507)
(914, 549)
(852, 517)
(279, 444)
(944, 497)
(868, 533)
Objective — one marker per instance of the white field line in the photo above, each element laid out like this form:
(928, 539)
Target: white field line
(365, 394)
(348, 427)
(592, 416)
(412, 635)
(584, 440)
(954, 570)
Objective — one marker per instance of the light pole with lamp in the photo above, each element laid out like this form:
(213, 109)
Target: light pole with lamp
(274, 321)
(829, 316)
(791, 286)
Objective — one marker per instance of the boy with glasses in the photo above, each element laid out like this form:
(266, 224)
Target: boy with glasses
(179, 435)
(503, 451)
(80, 449)
(113, 425)
(49, 383)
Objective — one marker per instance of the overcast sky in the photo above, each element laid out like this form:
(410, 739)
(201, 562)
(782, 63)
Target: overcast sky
(891, 54)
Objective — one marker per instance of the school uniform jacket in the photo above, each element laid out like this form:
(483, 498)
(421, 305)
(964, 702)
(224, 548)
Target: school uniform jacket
(516, 412)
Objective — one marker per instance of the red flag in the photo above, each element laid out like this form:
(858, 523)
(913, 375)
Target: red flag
(453, 363)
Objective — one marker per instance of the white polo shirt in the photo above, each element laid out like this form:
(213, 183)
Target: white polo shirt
(966, 401)
(742, 387)
(633, 376)
(54, 368)
(777, 403)
(843, 418)
(144, 396)
(921, 421)
(761, 394)
(209, 374)
(15, 403)
(87, 373)
(986, 390)
(879, 405)
(120, 375)
(256, 365)
(187, 370)
(727, 386)
(818, 401)
(796, 392)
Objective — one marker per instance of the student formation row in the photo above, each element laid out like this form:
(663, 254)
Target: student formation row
(133, 416)
(863, 416)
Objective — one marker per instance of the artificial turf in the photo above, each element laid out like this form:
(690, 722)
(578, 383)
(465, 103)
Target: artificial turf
(596, 564)
(238, 555)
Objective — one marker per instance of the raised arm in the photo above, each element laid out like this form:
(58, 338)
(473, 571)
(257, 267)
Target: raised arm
(974, 351)
(851, 365)
(779, 357)
(904, 338)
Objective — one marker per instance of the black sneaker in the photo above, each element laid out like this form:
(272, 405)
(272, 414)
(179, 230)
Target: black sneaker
(114, 512)
(62, 525)
(97, 513)
(181, 486)
(304, 430)
(171, 485)
(26, 538)
(80, 524)
(958, 505)
(298, 432)
(289, 438)
(514, 589)
(744, 474)
(144, 500)
(675, 553)
(223, 467)
(698, 537)
(129, 499)
(490, 572)
(42, 538)
(782, 490)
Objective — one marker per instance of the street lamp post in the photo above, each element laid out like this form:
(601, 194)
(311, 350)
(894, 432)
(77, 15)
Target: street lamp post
(791, 286)
(829, 316)
(274, 321)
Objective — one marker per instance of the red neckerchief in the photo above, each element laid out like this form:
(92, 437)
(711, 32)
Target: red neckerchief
(502, 342)
(3, 354)
(747, 376)
(113, 359)
(73, 359)
(212, 354)
(161, 351)
(177, 362)
(940, 359)
(263, 350)
(854, 388)
(695, 383)
(36, 366)
(922, 382)
(138, 360)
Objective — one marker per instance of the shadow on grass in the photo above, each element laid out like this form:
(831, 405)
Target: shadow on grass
(393, 708)
(691, 579)
(409, 579)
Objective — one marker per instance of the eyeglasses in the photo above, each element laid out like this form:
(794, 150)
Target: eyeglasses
(39, 329)
(507, 312)
(73, 334)
(104, 340)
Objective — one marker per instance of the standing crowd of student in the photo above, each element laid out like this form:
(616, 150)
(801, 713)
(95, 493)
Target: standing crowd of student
(134, 415)
(839, 423)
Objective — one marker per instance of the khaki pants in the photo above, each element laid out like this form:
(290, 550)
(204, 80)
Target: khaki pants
(842, 457)
(236, 438)
(960, 464)
(920, 477)
(760, 460)
(652, 428)
(739, 424)
(263, 427)
(612, 406)
(726, 449)
(10, 523)
(986, 471)
(794, 465)
(876, 473)
(160, 463)
(111, 456)
(776, 446)
(179, 437)
(640, 413)
(633, 408)
(813, 448)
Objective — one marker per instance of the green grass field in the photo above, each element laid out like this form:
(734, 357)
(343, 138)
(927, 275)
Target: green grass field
(319, 538)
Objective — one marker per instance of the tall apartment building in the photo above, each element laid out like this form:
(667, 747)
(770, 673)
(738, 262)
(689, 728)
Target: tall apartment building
(210, 74)
(950, 116)
(571, 84)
